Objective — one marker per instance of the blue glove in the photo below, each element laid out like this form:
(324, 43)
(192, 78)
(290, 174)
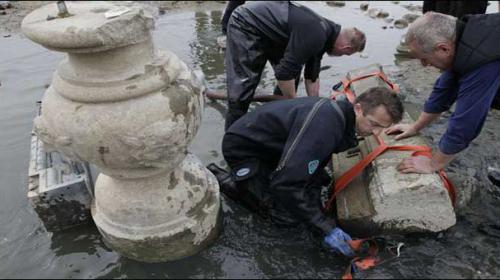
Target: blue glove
(337, 240)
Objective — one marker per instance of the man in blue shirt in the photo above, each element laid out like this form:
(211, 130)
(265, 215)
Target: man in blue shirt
(468, 51)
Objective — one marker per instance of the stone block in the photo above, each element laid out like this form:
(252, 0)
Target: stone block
(381, 199)
(59, 190)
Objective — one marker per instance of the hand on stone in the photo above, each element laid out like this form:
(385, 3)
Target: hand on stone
(404, 130)
(416, 164)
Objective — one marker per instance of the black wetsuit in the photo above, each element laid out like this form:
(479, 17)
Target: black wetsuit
(287, 35)
(277, 154)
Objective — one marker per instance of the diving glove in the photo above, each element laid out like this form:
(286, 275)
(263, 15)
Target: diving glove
(337, 239)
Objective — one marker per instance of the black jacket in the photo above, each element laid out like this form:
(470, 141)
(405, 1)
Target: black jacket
(294, 35)
(478, 42)
(297, 137)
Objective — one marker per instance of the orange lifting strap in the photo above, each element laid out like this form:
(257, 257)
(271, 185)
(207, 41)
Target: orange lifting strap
(346, 84)
(372, 257)
(347, 177)
(350, 174)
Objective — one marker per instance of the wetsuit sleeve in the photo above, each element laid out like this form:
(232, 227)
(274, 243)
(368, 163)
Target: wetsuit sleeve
(312, 69)
(308, 149)
(475, 95)
(306, 40)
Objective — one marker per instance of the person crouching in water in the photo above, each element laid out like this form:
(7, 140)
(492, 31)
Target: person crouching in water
(277, 154)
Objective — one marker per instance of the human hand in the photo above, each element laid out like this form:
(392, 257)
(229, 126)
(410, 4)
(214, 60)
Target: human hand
(416, 164)
(404, 130)
(337, 240)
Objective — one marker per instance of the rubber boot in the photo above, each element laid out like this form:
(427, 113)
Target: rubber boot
(228, 187)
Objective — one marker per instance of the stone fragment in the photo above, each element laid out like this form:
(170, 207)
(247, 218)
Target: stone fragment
(382, 200)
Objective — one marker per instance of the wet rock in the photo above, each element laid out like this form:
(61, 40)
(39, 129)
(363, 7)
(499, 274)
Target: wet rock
(395, 2)
(5, 5)
(336, 3)
(400, 23)
(402, 49)
(383, 14)
(363, 55)
(494, 176)
(374, 12)
(3, 13)
(411, 17)
(465, 188)
(389, 19)
(364, 6)
(413, 8)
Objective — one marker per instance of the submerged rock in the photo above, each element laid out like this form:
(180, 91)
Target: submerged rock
(336, 3)
(411, 17)
(374, 12)
(401, 23)
(364, 6)
(383, 14)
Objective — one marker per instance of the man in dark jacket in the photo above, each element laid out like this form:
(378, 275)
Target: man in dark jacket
(468, 52)
(289, 36)
(277, 154)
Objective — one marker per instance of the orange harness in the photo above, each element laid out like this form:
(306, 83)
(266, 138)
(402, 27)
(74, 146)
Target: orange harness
(366, 261)
(346, 84)
(354, 171)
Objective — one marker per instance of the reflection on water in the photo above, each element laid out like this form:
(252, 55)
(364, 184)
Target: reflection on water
(205, 48)
(248, 247)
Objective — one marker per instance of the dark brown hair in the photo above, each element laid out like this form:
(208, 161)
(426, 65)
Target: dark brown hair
(376, 96)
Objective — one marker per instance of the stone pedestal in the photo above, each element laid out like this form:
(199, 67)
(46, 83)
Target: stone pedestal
(381, 199)
(131, 110)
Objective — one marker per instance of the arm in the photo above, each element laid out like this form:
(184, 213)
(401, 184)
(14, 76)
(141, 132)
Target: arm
(408, 130)
(476, 93)
(442, 97)
(287, 88)
(312, 88)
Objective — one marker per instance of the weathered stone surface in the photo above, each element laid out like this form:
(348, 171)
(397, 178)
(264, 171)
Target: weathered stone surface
(59, 190)
(170, 216)
(132, 111)
(383, 200)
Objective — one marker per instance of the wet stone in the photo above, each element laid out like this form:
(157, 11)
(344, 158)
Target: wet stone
(364, 6)
(411, 17)
(336, 3)
(400, 23)
(374, 12)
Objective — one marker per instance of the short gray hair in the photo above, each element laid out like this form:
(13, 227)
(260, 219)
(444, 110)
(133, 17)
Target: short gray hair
(430, 29)
(356, 38)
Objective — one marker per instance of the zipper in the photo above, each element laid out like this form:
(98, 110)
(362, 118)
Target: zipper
(309, 117)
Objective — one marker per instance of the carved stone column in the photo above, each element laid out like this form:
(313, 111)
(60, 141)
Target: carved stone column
(131, 110)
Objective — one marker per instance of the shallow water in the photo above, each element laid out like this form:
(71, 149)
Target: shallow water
(248, 247)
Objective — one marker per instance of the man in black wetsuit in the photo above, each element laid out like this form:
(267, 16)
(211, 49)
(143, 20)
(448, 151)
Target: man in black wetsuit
(277, 154)
(289, 36)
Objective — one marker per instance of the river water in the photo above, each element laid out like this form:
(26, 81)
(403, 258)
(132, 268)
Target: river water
(248, 247)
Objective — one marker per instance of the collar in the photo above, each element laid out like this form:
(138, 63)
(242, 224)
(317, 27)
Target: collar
(332, 30)
(350, 139)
